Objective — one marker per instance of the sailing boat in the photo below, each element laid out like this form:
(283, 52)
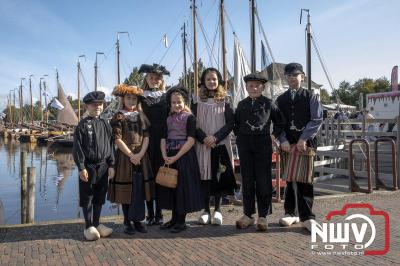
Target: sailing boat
(66, 119)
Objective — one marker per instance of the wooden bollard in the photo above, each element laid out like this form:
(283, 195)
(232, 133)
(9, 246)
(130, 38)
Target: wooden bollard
(24, 187)
(31, 194)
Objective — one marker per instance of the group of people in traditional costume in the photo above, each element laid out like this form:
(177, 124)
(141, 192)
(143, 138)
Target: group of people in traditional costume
(154, 127)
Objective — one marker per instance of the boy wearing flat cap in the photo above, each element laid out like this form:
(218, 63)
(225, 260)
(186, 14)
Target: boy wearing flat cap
(254, 141)
(93, 153)
(303, 115)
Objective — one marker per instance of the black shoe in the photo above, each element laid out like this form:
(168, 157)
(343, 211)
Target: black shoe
(178, 228)
(150, 220)
(167, 225)
(139, 227)
(159, 220)
(128, 229)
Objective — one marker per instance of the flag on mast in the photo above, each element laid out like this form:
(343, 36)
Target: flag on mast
(263, 56)
(165, 40)
(57, 104)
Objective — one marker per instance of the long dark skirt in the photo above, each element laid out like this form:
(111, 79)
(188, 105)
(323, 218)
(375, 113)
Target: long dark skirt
(154, 150)
(187, 196)
(223, 180)
(136, 211)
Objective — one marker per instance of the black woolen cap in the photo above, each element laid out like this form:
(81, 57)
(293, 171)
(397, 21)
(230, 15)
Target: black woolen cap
(179, 89)
(94, 97)
(294, 68)
(257, 76)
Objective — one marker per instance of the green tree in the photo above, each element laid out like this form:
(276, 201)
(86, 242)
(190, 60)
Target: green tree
(350, 94)
(344, 93)
(382, 85)
(135, 78)
(365, 85)
(325, 97)
(189, 78)
(13, 116)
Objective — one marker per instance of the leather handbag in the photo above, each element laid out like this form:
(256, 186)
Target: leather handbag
(167, 177)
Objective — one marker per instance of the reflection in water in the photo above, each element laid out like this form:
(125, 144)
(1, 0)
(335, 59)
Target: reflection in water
(56, 182)
(2, 217)
(65, 163)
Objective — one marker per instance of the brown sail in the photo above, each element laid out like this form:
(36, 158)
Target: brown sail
(67, 114)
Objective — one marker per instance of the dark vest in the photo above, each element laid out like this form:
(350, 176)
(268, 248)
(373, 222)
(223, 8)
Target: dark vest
(297, 111)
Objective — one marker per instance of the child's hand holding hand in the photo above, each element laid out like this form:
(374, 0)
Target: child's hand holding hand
(135, 159)
(210, 141)
(83, 175)
(170, 160)
(301, 145)
(111, 173)
(285, 146)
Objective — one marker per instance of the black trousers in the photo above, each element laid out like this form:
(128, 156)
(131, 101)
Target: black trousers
(90, 193)
(299, 199)
(255, 152)
(91, 198)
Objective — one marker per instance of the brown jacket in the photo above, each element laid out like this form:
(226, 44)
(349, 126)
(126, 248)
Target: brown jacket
(131, 131)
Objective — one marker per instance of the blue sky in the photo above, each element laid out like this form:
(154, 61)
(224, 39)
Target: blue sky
(357, 38)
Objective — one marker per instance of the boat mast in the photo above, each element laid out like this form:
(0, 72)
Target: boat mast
(57, 80)
(95, 71)
(9, 108)
(184, 55)
(223, 48)
(79, 87)
(308, 29)
(30, 91)
(40, 100)
(45, 100)
(15, 107)
(118, 55)
(21, 102)
(253, 36)
(118, 52)
(195, 63)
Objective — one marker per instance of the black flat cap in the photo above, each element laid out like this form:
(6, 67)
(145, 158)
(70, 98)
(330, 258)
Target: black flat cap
(155, 68)
(294, 68)
(179, 89)
(257, 76)
(94, 97)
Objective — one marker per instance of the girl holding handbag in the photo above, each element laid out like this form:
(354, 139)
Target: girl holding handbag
(178, 152)
(131, 185)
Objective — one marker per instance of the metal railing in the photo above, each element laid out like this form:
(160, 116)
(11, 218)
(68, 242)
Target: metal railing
(378, 182)
(353, 185)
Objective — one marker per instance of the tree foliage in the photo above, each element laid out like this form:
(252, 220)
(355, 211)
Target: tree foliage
(135, 78)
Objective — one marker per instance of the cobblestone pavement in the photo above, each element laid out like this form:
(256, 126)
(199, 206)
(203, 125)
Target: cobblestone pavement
(62, 243)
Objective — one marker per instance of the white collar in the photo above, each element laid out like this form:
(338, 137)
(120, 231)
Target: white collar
(128, 113)
(153, 94)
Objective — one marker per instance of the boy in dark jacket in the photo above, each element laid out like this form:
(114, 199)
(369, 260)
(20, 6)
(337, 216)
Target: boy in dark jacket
(254, 140)
(94, 155)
